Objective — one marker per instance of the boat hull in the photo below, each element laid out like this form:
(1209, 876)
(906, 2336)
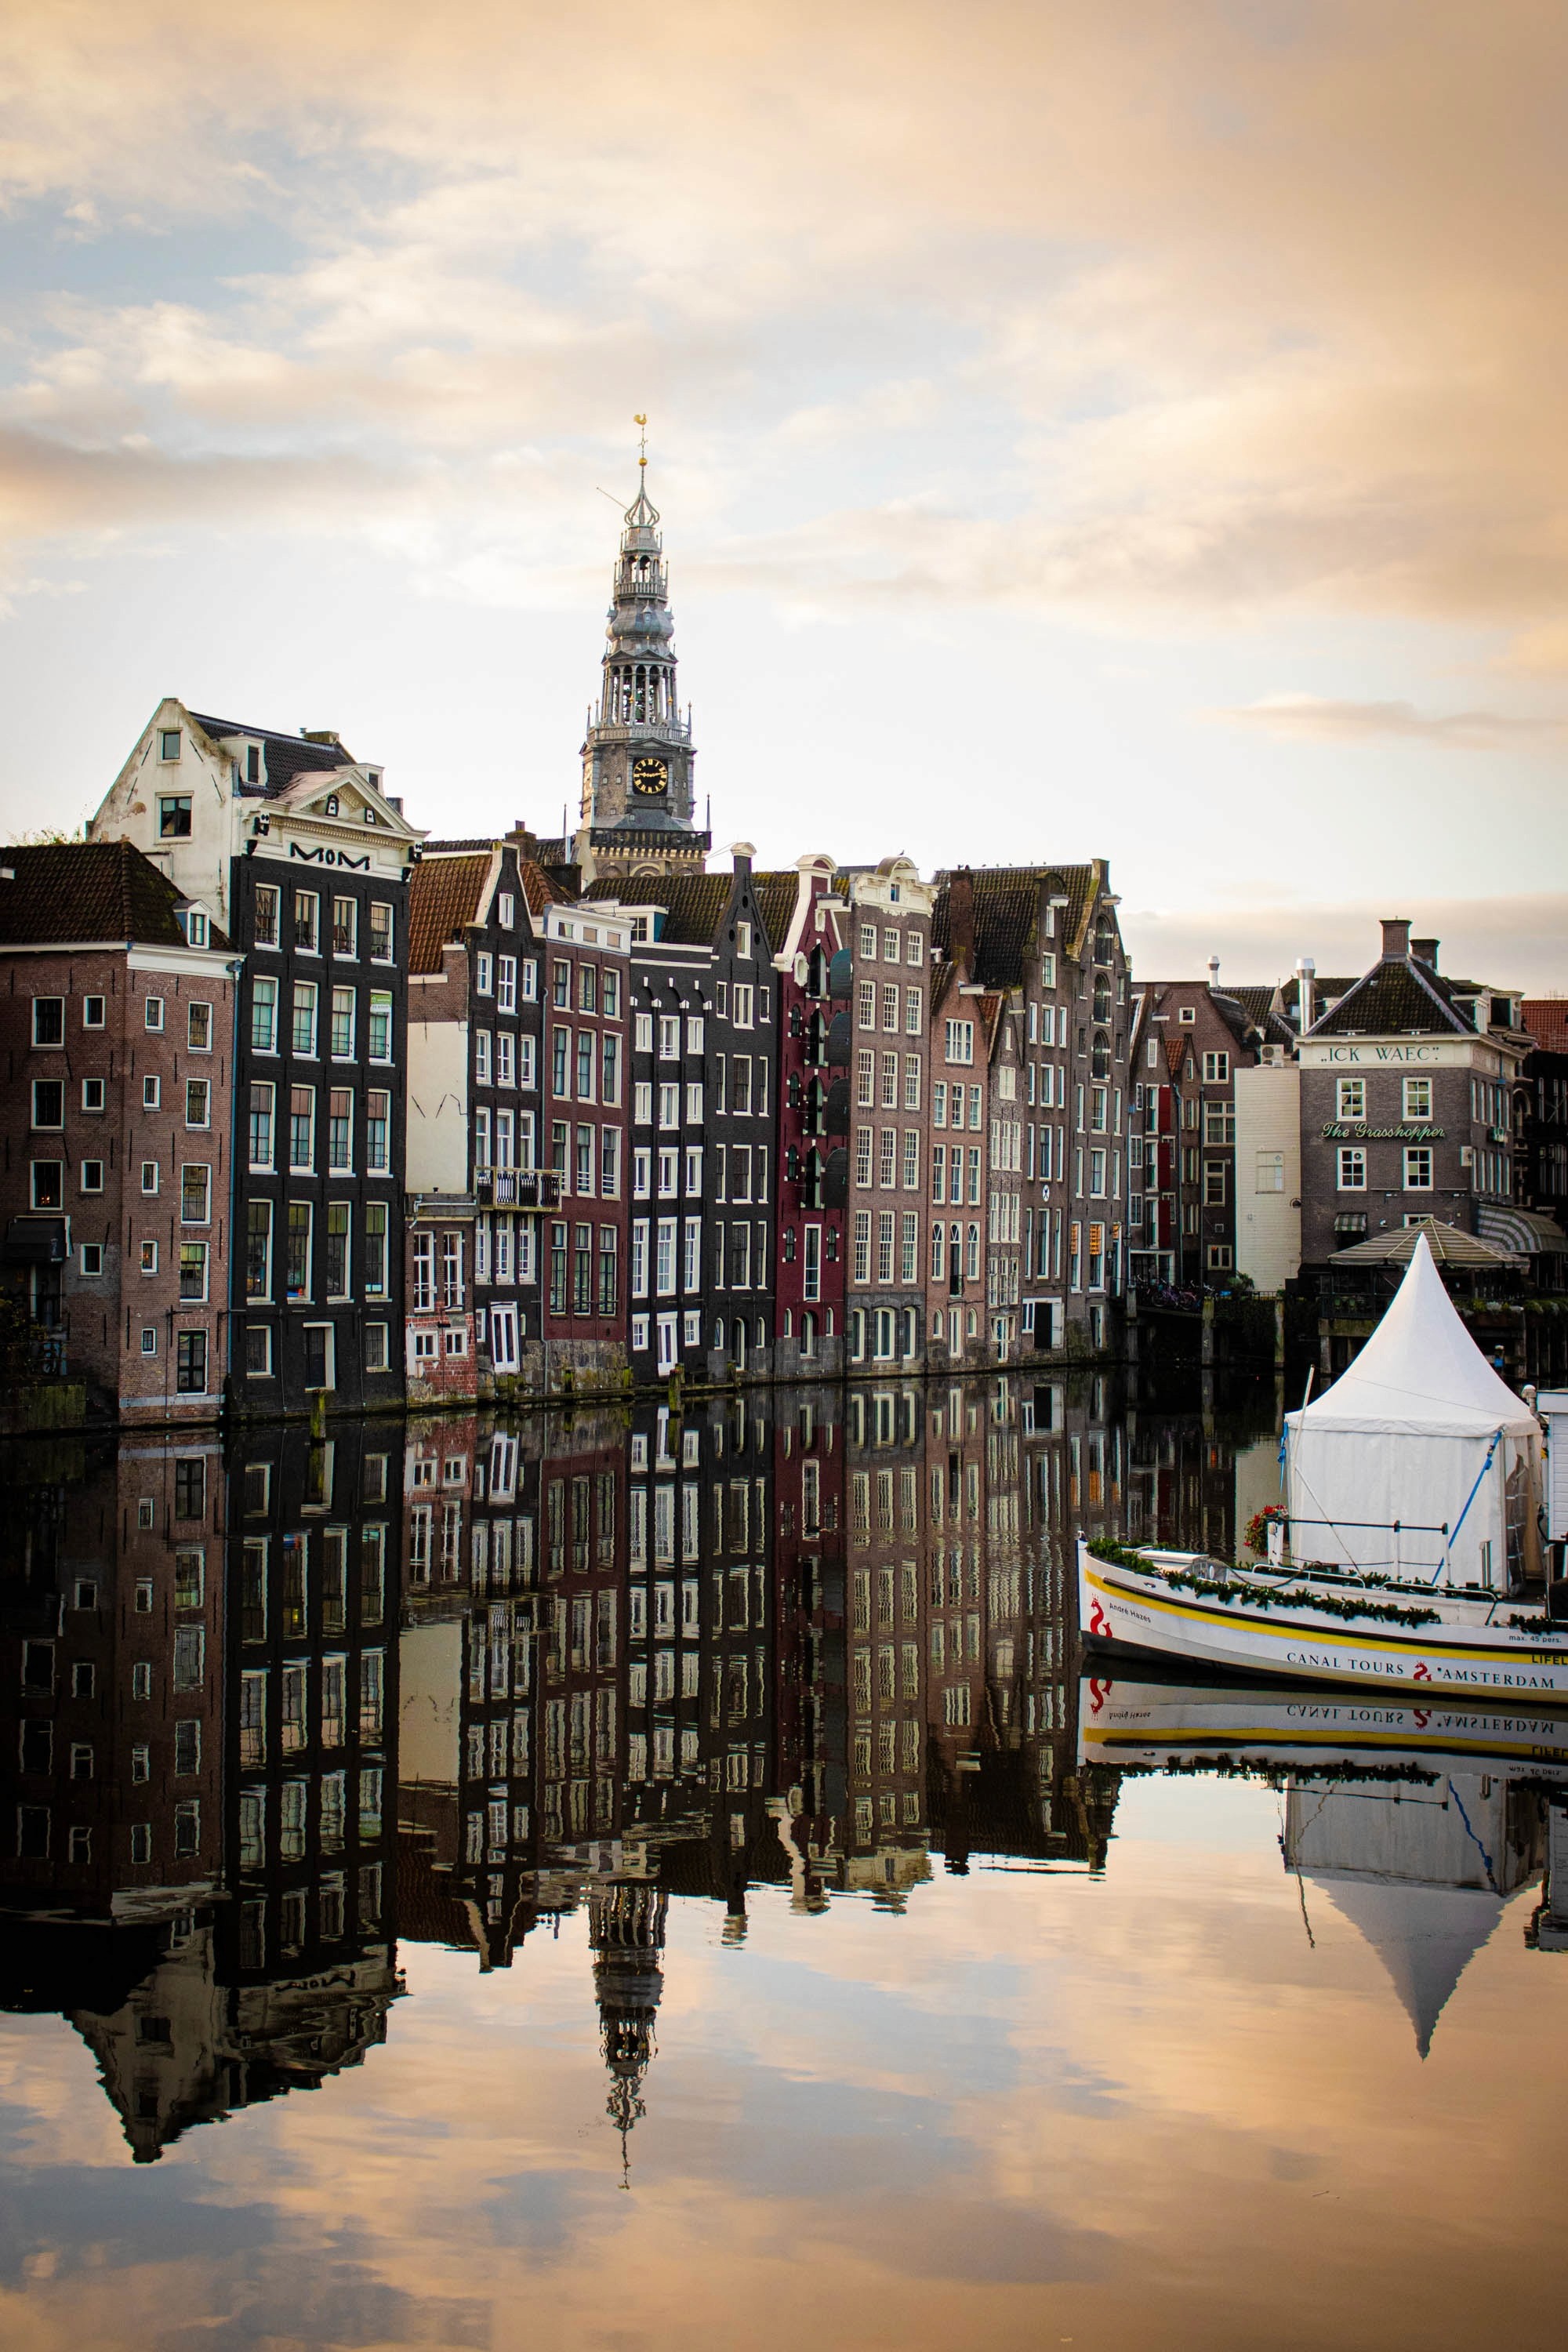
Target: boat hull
(1127, 1611)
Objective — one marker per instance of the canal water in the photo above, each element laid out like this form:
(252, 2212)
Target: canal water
(658, 1880)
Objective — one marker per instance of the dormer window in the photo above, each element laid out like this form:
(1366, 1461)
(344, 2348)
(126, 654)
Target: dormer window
(332, 804)
(196, 928)
(370, 815)
(373, 778)
(253, 763)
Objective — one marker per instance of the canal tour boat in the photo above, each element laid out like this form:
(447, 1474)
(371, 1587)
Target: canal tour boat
(1400, 1562)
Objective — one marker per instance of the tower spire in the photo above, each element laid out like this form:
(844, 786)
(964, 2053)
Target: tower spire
(637, 756)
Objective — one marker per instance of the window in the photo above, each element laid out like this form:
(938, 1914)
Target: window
(153, 1015)
(174, 817)
(960, 1041)
(306, 922)
(193, 1272)
(1351, 1098)
(48, 1183)
(168, 744)
(302, 1129)
(865, 1005)
(868, 940)
(379, 1044)
(1218, 1257)
(1216, 1069)
(1351, 1168)
(1219, 1122)
(269, 899)
(297, 1266)
(264, 1016)
(1417, 1098)
(861, 1260)
(150, 1176)
(506, 984)
(335, 1265)
(93, 1013)
(196, 1195)
(340, 1131)
(258, 1249)
(345, 934)
(1270, 1172)
(1214, 1184)
(191, 1353)
(48, 1102)
(342, 1034)
(1418, 1168)
(376, 1244)
(743, 1001)
(91, 1257)
(199, 1028)
(378, 1132)
(380, 931)
(302, 1036)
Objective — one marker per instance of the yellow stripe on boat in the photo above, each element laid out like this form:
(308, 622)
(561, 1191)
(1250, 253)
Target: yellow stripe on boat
(1419, 1638)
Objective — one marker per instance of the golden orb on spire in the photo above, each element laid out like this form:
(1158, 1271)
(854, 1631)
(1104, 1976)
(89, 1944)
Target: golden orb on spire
(642, 444)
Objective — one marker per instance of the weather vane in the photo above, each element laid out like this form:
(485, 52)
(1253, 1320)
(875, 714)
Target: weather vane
(642, 444)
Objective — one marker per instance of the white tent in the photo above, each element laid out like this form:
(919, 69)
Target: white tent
(1419, 1460)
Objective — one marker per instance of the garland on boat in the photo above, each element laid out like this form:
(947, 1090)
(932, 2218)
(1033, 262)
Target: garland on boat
(1330, 1604)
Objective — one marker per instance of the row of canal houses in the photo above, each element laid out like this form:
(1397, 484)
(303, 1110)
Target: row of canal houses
(312, 1108)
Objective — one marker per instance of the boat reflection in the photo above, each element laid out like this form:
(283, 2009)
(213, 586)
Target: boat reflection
(1418, 1824)
(278, 1708)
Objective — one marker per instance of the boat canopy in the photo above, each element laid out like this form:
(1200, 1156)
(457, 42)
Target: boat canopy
(1418, 1459)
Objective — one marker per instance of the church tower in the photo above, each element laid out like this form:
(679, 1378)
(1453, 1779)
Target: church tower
(638, 790)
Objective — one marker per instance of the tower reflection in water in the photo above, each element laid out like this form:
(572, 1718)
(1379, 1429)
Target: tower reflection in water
(284, 1705)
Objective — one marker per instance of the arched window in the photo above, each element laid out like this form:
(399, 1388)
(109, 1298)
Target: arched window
(1100, 1056)
(807, 1335)
(738, 1344)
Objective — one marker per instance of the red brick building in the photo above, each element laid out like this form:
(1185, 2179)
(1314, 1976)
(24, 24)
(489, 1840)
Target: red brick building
(117, 1026)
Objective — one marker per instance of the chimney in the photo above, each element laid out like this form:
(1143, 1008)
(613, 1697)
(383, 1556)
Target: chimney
(1425, 951)
(961, 915)
(1306, 994)
(1395, 936)
(1214, 974)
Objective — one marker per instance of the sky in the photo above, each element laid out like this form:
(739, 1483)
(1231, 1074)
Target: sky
(1129, 430)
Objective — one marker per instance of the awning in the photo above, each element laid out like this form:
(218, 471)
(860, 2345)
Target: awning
(36, 1241)
(1351, 1222)
(1527, 1231)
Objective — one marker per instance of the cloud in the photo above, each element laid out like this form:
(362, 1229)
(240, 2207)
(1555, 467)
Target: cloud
(1161, 315)
(1318, 719)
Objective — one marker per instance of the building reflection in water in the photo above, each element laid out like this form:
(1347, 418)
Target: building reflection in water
(281, 1707)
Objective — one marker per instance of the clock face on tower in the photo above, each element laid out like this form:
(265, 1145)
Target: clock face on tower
(649, 777)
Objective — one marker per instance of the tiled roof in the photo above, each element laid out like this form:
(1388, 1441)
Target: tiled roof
(88, 890)
(694, 903)
(1546, 1018)
(539, 889)
(1397, 996)
(444, 893)
(1006, 899)
(283, 756)
(775, 895)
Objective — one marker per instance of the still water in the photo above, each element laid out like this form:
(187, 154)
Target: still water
(634, 1881)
